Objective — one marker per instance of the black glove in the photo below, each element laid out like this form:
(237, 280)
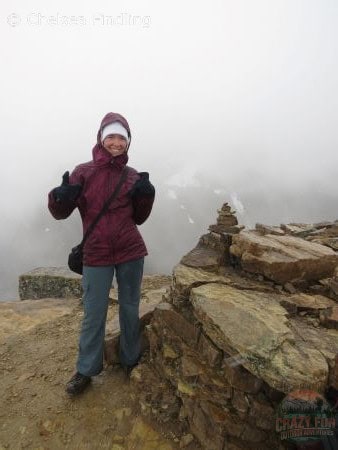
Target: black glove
(67, 192)
(142, 186)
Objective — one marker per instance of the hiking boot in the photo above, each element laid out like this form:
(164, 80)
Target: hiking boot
(77, 384)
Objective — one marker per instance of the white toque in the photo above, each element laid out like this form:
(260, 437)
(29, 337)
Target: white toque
(114, 128)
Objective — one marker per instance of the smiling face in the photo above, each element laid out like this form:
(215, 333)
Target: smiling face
(115, 144)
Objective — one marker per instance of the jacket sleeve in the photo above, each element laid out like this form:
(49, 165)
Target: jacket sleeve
(142, 208)
(62, 210)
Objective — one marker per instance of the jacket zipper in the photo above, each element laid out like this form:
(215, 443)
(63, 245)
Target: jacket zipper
(110, 187)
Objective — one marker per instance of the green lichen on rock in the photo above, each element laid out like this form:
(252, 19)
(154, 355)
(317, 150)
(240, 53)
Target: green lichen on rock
(50, 282)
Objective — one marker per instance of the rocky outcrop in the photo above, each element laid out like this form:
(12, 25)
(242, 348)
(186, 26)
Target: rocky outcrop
(234, 335)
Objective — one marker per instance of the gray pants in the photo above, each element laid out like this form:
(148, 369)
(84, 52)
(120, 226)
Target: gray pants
(96, 282)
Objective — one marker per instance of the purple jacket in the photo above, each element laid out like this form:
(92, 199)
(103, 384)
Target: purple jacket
(116, 238)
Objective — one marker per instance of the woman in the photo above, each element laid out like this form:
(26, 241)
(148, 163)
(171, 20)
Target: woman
(114, 246)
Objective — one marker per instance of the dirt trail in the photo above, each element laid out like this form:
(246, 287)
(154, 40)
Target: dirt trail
(36, 413)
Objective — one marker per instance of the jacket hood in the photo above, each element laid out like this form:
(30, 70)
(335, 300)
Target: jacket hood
(100, 154)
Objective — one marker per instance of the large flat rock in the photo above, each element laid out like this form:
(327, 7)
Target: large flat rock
(184, 278)
(254, 325)
(50, 282)
(329, 242)
(203, 257)
(283, 258)
(314, 304)
(60, 282)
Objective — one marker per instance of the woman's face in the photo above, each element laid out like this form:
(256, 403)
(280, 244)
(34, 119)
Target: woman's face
(115, 144)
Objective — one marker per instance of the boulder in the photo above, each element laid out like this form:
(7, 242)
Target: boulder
(203, 257)
(298, 229)
(325, 341)
(283, 258)
(50, 282)
(313, 304)
(255, 325)
(185, 278)
(329, 242)
(243, 326)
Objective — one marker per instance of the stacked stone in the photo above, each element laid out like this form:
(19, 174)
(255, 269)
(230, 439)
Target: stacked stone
(221, 403)
(221, 233)
(225, 397)
(226, 221)
(223, 384)
(212, 249)
(225, 349)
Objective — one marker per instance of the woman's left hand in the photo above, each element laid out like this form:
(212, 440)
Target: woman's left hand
(142, 186)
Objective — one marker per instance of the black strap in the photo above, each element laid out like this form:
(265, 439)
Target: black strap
(105, 206)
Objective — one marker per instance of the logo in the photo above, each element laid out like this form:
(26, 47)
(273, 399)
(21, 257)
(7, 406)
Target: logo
(13, 20)
(304, 416)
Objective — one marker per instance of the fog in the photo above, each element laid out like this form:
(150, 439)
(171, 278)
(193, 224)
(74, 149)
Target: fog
(228, 101)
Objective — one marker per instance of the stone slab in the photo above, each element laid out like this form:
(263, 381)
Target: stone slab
(255, 325)
(283, 258)
(50, 282)
(203, 257)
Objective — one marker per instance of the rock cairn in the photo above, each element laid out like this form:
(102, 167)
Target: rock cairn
(212, 249)
(226, 221)
(227, 343)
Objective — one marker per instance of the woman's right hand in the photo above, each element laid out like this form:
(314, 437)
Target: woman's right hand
(67, 192)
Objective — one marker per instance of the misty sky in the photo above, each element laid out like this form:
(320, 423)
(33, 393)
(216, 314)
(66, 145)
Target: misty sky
(227, 101)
